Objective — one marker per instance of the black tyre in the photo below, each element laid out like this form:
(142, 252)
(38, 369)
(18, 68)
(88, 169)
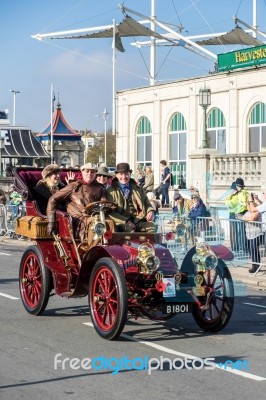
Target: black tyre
(108, 298)
(35, 281)
(216, 310)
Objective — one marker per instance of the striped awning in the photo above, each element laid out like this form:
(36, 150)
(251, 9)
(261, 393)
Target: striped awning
(19, 142)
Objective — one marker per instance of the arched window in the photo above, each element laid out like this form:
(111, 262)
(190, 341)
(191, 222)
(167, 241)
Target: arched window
(216, 132)
(257, 127)
(178, 149)
(144, 142)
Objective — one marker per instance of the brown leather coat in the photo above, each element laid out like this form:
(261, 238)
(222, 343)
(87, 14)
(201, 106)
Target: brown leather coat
(77, 196)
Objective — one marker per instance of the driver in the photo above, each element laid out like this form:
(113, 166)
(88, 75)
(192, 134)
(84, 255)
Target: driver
(77, 196)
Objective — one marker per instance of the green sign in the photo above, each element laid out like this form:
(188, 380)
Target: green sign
(242, 58)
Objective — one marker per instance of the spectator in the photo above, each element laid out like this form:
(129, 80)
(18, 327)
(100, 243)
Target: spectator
(198, 209)
(255, 237)
(134, 211)
(181, 206)
(102, 177)
(165, 180)
(237, 203)
(48, 185)
(15, 200)
(3, 201)
(154, 202)
(140, 177)
(149, 180)
(78, 195)
(257, 206)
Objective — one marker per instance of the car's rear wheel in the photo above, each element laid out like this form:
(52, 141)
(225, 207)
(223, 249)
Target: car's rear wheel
(34, 281)
(108, 298)
(217, 308)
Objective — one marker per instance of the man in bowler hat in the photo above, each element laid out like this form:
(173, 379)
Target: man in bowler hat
(134, 211)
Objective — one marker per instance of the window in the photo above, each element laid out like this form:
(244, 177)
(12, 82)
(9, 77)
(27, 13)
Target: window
(216, 132)
(144, 142)
(257, 127)
(178, 149)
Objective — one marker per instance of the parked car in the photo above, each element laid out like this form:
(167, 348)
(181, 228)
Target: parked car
(126, 273)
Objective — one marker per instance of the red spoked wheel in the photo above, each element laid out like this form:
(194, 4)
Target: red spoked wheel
(34, 281)
(108, 298)
(217, 307)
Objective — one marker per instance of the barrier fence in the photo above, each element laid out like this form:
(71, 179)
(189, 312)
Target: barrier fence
(8, 216)
(245, 239)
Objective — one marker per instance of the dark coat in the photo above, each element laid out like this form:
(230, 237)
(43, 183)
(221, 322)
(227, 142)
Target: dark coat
(42, 194)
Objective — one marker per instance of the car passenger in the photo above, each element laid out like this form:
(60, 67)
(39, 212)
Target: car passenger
(134, 211)
(48, 185)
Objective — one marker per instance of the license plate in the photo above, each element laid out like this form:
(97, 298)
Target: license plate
(177, 308)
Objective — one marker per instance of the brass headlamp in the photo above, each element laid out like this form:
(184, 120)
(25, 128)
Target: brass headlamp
(178, 227)
(204, 259)
(147, 260)
(98, 227)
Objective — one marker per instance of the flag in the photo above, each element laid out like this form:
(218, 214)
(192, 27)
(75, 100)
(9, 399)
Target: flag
(118, 42)
(53, 100)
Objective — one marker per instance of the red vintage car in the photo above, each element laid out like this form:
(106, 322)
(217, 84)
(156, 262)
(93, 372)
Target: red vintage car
(125, 273)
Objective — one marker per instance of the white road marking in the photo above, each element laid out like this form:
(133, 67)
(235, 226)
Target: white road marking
(5, 254)
(8, 296)
(255, 305)
(178, 353)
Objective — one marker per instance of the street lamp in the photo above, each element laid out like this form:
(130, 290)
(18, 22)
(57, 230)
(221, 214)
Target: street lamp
(105, 116)
(204, 102)
(14, 104)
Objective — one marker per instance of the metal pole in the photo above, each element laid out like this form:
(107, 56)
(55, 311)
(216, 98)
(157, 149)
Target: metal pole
(14, 105)
(52, 130)
(153, 46)
(0, 153)
(204, 133)
(105, 116)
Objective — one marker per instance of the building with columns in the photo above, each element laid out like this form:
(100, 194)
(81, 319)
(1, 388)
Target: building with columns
(166, 121)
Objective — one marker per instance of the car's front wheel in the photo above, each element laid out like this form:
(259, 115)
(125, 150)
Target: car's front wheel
(108, 298)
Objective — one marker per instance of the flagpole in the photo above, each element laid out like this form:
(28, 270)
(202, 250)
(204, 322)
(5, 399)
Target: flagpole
(114, 94)
(52, 131)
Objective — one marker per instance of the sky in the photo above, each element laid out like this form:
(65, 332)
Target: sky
(81, 70)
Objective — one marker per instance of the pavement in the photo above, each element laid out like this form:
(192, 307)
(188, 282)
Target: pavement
(239, 272)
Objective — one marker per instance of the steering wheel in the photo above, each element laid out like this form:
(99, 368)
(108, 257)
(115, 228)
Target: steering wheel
(98, 206)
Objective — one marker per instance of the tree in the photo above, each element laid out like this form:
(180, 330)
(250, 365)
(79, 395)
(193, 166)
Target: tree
(96, 154)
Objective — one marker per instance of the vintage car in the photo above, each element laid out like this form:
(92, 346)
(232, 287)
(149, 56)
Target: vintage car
(124, 273)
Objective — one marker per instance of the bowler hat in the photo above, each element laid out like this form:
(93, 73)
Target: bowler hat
(240, 182)
(49, 170)
(123, 167)
(103, 171)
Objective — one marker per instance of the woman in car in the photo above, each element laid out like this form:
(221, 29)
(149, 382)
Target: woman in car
(48, 185)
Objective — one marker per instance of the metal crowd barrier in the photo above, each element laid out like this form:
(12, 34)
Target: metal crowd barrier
(8, 216)
(180, 234)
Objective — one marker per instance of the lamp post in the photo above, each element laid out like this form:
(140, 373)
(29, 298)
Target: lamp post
(204, 102)
(105, 116)
(15, 92)
(0, 153)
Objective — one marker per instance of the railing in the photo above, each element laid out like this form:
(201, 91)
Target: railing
(226, 168)
(244, 239)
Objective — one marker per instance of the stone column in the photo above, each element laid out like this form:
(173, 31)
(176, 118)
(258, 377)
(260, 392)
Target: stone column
(200, 171)
(262, 156)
